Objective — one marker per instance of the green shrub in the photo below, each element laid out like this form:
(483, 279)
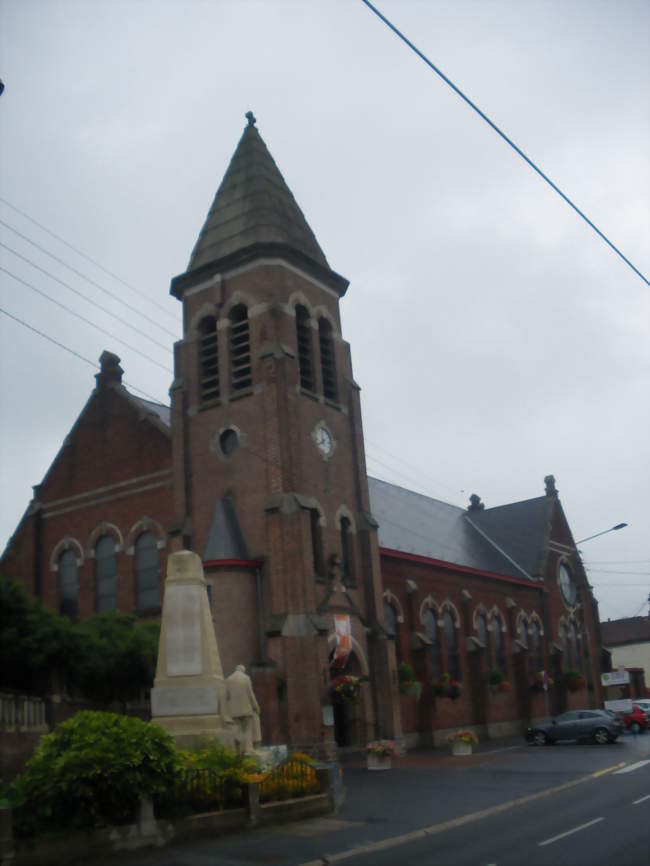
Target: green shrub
(207, 779)
(92, 771)
(116, 657)
(405, 673)
(495, 677)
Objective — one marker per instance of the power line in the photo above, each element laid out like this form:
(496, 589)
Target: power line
(88, 258)
(615, 561)
(87, 321)
(93, 364)
(88, 280)
(376, 446)
(400, 473)
(598, 583)
(606, 571)
(81, 295)
(508, 140)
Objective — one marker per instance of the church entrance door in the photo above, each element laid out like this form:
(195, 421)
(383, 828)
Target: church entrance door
(347, 702)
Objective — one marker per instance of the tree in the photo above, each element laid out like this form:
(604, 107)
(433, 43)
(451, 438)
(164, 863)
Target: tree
(34, 642)
(107, 658)
(116, 657)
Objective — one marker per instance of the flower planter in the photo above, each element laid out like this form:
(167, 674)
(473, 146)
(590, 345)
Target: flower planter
(460, 747)
(379, 762)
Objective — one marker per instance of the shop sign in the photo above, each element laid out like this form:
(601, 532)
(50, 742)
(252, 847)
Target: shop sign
(615, 678)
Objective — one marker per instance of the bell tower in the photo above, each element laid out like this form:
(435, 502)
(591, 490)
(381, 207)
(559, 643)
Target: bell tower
(270, 485)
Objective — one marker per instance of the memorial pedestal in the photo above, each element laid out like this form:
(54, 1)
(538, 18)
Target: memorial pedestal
(189, 697)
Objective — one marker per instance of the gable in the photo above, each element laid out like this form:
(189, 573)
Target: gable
(114, 438)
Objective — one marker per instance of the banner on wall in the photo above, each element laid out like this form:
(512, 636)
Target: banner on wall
(343, 632)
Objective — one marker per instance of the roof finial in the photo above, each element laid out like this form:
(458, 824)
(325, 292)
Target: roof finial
(549, 484)
(250, 117)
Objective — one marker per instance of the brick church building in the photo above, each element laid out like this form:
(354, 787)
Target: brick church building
(314, 570)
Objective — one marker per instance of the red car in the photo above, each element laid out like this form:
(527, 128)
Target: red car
(636, 721)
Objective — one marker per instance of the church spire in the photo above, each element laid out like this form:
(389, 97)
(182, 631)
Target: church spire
(253, 205)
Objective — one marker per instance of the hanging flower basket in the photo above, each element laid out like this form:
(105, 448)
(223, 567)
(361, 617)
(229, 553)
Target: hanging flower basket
(574, 681)
(408, 685)
(345, 688)
(447, 687)
(497, 682)
(538, 682)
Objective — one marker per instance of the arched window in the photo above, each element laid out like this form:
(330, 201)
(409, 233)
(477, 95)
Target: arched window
(536, 647)
(146, 572)
(305, 351)
(523, 632)
(327, 361)
(499, 646)
(240, 349)
(209, 388)
(106, 575)
(68, 584)
(346, 549)
(392, 628)
(566, 649)
(316, 542)
(573, 647)
(433, 633)
(451, 643)
(482, 630)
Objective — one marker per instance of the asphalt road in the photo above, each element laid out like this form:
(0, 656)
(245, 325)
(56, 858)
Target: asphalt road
(509, 804)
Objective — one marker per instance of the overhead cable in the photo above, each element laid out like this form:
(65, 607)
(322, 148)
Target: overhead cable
(76, 354)
(85, 297)
(88, 279)
(88, 258)
(87, 321)
(508, 140)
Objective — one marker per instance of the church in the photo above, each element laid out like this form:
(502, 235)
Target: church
(359, 608)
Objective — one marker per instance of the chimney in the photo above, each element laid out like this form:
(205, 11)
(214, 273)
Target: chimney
(549, 484)
(110, 370)
(475, 503)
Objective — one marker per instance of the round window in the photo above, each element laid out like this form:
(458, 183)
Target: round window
(567, 586)
(228, 442)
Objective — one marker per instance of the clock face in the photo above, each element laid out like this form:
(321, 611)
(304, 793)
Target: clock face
(567, 586)
(323, 439)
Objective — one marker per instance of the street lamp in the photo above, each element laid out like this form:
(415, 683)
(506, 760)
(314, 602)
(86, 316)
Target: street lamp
(604, 532)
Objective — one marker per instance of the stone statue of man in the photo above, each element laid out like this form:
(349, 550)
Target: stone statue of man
(244, 709)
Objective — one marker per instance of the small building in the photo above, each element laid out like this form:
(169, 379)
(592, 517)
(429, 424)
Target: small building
(628, 642)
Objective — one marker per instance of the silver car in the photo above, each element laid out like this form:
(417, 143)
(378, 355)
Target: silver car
(597, 725)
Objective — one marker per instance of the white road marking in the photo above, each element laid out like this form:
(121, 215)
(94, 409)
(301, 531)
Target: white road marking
(570, 832)
(631, 767)
(642, 800)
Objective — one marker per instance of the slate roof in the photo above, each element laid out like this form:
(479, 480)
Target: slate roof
(164, 413)
(506, 540)
(633, 629)
(253, 205)
(225, 540)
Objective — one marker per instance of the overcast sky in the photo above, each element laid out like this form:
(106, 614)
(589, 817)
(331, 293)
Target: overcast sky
(496, 338)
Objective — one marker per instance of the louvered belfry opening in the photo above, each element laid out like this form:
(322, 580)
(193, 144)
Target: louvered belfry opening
(208, 360)
(240, 349)
(327, 362)
(305, 352)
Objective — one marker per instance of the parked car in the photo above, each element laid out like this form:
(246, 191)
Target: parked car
(644, 705)
(636, 721)
(597, 725)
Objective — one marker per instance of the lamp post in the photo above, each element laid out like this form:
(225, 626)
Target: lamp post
(604, 532)
(594, 603)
